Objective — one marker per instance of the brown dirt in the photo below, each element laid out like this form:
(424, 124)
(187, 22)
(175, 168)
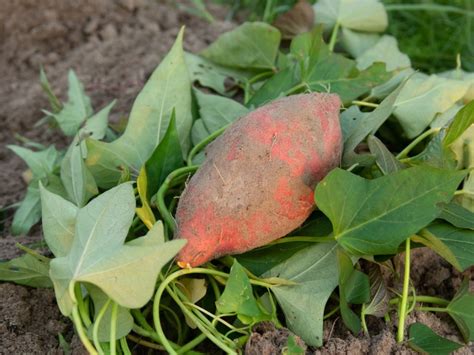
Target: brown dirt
(113, 46)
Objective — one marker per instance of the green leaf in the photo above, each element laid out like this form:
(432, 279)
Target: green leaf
(462, 121)
(368, 123)
(211, 75)
(251, 45)
(356, 43)
(124, 323)
(292, 347)
(374, 216)
(41, 163)
(422, 98)
(275, 87)
(76, 177)
(199, 131)
(58, 221)
(454, 244)
(261, 260)
(56, 105)
(76, 110)
(435, 154)
(457, 215)
(96, 126)
(424, 340)
(166, 157)
(314, 269)
(319, 69)
(168, 88)
(384, 51)
(385, 160)
(217, 111)
(126, 273)
(361, 15)
(29, 212)
(238, 297)
(346, 270)
(461, 309)
(357, 288)
(26, 270)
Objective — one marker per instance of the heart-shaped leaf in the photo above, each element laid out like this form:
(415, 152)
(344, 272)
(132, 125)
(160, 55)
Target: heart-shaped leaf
(126, 273)
(372, 217)
(168, 89)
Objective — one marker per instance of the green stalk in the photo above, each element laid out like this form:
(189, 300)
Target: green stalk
(331, 312)
(160, 196)
(423, 299)
(83, 310)
(113, 329)
(362, 320)
(78, 322)
(403, 303)
(198, 147)
(363, 103)
(303, 239)
(417, 140)
(192, 344)
(33, 253)
(431, 309)
(332, 41)
(124, 346)
(95, 329)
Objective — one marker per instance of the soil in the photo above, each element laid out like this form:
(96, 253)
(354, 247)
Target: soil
(113, 46)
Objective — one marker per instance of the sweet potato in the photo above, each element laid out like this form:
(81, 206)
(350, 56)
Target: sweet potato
(257, 181)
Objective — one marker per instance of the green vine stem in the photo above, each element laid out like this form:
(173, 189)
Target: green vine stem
(417, 140)
(165, 286)
(113, 329)
(124, 346)
(76, 318)
(333, 40)
(160, 196)
(95, 328)
(362, 320)
(198, 147)
(402, 313)
(83, 310)
(422, 299)
(327, 239)
(32, 252)
(364, 103)
(431, 309)
(331, 312)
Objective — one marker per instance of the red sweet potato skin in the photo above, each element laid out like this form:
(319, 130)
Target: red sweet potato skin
(257, 181)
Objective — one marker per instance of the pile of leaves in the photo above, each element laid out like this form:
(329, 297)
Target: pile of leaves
(406, 181)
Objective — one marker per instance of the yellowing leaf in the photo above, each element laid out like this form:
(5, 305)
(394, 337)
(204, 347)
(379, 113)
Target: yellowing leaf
(145, 213)
(385, 51)
(361, 15)
(422, 98)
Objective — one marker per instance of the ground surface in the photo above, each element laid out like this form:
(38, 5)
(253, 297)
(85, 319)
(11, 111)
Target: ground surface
(114, 46)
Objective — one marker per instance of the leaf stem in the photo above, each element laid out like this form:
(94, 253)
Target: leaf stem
(113, 329)
(78, 322)
(146, 343)
(198, 147)
(417, 140)
(332, 41)
(83, 311)
(431, 309)
(33, 253)
(403, 302)
(124, 346)
(423, 299)
(331, 312)
(363, 103)
(362, 320)
(327, 239)
(95, 328)
(160, 196)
